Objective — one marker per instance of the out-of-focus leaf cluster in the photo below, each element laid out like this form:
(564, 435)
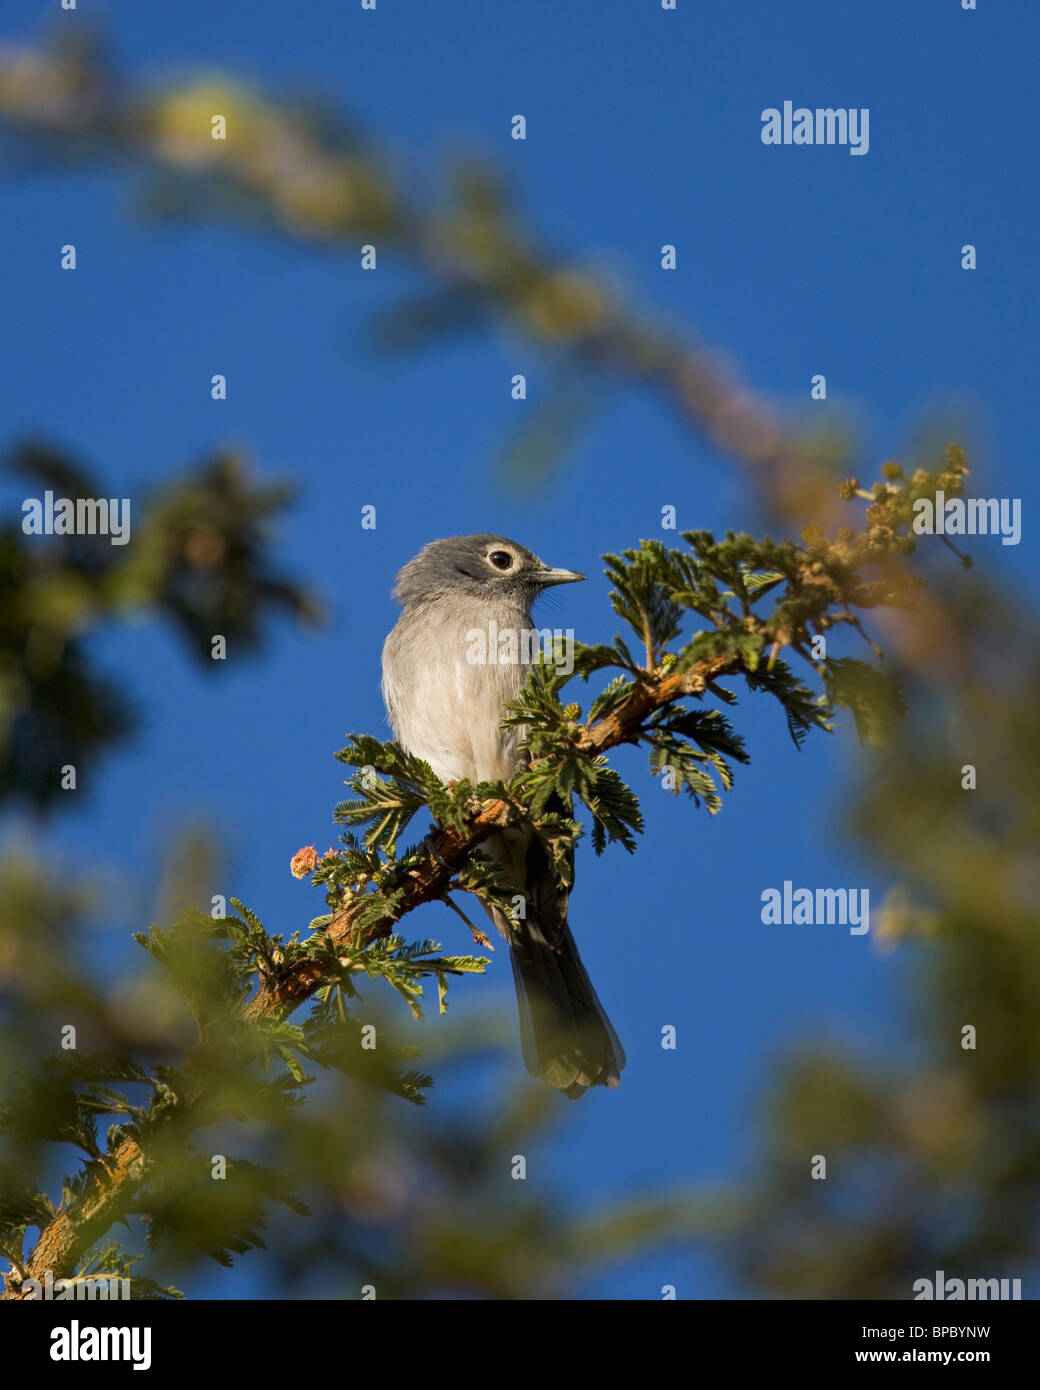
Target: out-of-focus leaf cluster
(197, 558)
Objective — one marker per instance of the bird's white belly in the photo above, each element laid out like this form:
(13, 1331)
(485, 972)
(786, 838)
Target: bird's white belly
(446, 707)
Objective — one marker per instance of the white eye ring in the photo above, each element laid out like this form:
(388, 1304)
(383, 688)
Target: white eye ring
(495, 557)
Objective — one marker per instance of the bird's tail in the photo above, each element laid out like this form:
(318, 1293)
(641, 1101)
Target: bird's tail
(566, 1035)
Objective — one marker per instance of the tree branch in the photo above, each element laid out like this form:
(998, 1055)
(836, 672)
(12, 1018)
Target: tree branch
(113, 1181)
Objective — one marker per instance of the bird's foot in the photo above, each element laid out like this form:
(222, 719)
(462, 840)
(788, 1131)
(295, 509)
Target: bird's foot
(431, 850)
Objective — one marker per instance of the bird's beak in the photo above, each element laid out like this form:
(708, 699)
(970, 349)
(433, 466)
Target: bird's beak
(551, 576)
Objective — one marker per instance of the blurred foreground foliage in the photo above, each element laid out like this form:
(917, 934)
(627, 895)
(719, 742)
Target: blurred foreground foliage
(407, 1209)
(197, 560)
(933, 1163)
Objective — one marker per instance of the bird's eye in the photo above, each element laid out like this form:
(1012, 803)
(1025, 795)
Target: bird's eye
(501, 559)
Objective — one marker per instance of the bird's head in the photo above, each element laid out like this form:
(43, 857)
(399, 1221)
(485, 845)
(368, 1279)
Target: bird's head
(482, 566)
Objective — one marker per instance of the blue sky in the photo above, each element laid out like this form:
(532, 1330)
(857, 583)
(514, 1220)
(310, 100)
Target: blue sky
(643, 128)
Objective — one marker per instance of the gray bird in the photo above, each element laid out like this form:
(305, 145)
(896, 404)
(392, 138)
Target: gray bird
(446, 705)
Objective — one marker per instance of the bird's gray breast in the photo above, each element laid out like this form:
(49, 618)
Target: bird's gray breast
(450, 666)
